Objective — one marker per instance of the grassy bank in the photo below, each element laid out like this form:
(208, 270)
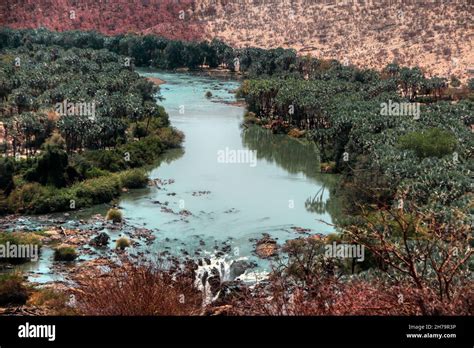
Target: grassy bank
(102, 176)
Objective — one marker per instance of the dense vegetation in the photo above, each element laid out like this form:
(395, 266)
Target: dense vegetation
(158, 52)
(425, 158)
(404, 146)
(406, 175)
(73, 121)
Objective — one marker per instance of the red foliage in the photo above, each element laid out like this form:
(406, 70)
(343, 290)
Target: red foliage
(354, 297)
(160, 17)
(138, 289)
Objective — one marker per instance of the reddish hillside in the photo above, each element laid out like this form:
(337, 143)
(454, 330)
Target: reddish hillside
(169, 18)
(436, 37)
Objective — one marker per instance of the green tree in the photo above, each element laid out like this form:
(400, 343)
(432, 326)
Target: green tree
(50, 168)
(434, 142)
(174, 55)
(7, 170)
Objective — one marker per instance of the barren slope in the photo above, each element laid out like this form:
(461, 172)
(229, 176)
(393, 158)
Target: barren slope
(438, 37)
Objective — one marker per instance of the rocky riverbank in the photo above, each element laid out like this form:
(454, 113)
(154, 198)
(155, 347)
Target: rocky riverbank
(94, 240)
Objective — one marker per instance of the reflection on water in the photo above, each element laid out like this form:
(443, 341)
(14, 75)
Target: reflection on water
(201, 205)
(231, 202)
(295, 156)
(291, 154)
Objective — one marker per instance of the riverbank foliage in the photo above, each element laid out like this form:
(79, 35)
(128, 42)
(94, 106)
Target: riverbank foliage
(21, 241)
(401, 141)
(403, 145)
(159, 52)
(12, 290)
(67, 121)
(425, 157)
(65, 254)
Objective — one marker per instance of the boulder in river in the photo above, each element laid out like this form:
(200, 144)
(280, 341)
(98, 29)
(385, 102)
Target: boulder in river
(214, 281)
(266, 247)
(101, 240)
(228, 291)
(239, 267)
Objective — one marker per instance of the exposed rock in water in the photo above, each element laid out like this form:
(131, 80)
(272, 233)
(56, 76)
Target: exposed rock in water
(239, 267)
(214, 281)
(266, 247)
(101, 240)
(301, 229)
(204, 277)
(229, 290)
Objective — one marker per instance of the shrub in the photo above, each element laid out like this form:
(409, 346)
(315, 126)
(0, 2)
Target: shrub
(80, 163)
(109, 160)
(139, 289)
(28, 198)
(139, 130)
(296, 133)
(335, 297)
(50, 168)
(431, 143)
(433, 237)
(142, 152)
(56, 140)
(52, 300)
(65, 253)
(98, 190)
(136, 153)
(12, 290)
(115, 215)
(157, 123)
(7, 169)
(134, 178)
(33, 198)
(95, 172)
(250, 118)
(19, 239)
(122, 243)
(170, 137)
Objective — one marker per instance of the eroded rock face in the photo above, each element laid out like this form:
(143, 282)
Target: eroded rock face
(239, 267)
(214, 281)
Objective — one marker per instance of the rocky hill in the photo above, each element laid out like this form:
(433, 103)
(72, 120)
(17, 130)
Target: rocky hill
(438, 36)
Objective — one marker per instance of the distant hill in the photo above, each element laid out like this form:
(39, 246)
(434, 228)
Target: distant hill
(437, 37)
(433, 35)
(169, 18)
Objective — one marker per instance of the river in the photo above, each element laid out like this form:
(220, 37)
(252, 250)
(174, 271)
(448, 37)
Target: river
(206, 205)
(233, 203)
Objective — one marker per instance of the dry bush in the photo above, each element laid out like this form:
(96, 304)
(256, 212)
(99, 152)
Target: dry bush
(353, 297)
(139, 289)
(416, 264)
(427, 251)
